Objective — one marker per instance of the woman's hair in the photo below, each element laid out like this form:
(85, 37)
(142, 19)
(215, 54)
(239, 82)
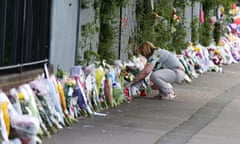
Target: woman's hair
(146, 49)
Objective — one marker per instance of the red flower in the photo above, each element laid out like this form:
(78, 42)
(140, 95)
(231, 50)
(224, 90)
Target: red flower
(143, 93)
(127, 94)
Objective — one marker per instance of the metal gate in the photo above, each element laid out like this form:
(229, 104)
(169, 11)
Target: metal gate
(24, 34)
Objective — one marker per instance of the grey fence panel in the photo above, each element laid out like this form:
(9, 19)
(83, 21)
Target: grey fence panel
(87, 17)
(63, 33)
(196, 11)
(126, 19)
(129, 24)
(188, 19)
(128, 28)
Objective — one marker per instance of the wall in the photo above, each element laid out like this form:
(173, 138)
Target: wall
(87, 15)
(14, 80)
(120, 48)
(63, 33)
(188, 20)
(128, 28)
(190, 13)
(64, 38)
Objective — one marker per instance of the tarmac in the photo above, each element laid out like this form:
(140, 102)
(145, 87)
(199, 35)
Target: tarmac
(205, 111)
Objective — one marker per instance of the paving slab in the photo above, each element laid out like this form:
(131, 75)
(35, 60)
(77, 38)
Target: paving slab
(224, 129)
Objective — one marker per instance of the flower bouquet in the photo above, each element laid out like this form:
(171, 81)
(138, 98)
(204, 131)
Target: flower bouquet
(100, 78)
(25, 126)
(68, 119)
(91, 87)
(46, 108)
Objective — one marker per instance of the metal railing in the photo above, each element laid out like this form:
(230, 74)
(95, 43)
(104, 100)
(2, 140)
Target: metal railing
(24, 35)
(23, 65)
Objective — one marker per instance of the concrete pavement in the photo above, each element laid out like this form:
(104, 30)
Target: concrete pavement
(205, 111)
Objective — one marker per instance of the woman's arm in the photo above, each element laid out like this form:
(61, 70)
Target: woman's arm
(147, 69)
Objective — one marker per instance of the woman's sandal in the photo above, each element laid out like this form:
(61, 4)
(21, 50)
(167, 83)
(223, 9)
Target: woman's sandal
(169, 97)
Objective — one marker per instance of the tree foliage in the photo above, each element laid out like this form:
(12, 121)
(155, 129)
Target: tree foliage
(108, 28)
(158, 25)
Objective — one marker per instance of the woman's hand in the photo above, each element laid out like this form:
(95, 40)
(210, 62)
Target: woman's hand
(147, 69)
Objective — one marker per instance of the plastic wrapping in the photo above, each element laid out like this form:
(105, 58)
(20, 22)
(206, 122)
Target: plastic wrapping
(25, 125)
(14, 100)
(62, 96)
(82, 95)
(3, 128)
(99, 75)
(55, 99)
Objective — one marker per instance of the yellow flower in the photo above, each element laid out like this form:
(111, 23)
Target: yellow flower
(6, 118)
(222, 9)
(156, 15)
(70, 82)
(197, 49)
(20, 96)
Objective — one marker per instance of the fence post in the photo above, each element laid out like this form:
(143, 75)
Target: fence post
(120, 33)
